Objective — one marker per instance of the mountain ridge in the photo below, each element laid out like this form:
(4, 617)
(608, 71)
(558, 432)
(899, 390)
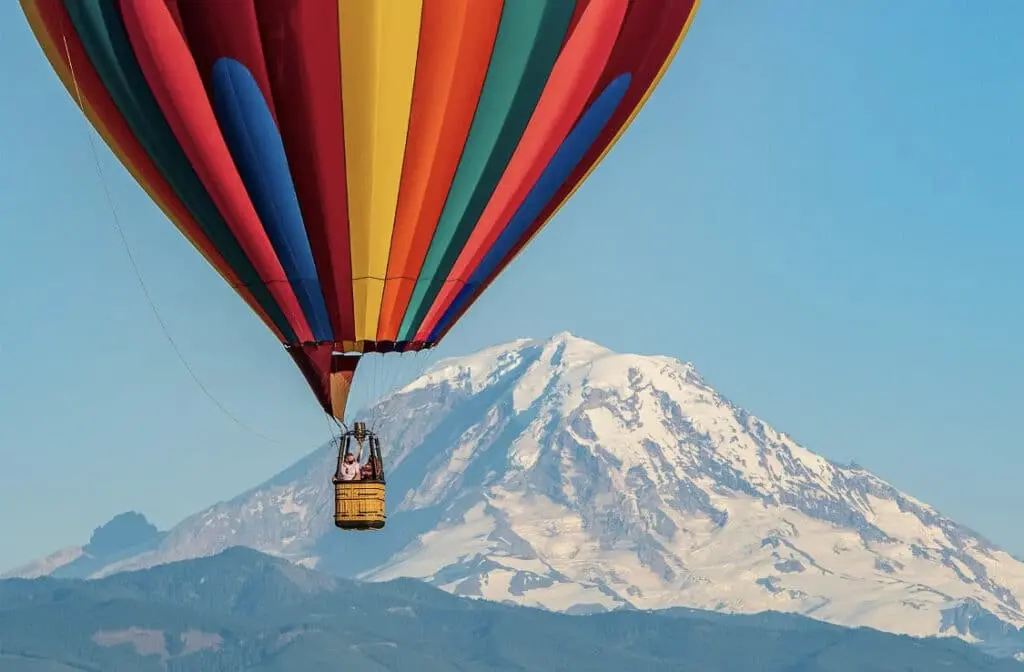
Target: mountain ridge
(240, 609)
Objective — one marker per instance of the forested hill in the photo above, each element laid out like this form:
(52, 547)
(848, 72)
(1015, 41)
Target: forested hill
(242, 610)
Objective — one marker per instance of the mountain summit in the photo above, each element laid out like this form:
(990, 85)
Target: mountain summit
(560, 474)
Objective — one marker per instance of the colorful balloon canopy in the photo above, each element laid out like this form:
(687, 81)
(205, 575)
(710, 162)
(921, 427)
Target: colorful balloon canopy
(359, 170)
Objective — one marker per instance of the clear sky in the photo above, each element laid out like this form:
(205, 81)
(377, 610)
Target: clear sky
(820, 207)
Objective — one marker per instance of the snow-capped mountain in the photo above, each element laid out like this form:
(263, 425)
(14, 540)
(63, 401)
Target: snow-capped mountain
(559, 474)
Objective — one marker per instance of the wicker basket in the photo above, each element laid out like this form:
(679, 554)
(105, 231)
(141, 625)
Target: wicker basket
(359, 505)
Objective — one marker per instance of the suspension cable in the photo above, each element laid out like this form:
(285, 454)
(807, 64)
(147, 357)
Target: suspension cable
(138, 274)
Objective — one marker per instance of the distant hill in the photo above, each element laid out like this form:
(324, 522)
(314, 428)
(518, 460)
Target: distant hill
(242, 610)
(126, 535)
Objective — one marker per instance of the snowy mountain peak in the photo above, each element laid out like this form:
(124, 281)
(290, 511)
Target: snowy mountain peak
(561, 355)
(561, 474)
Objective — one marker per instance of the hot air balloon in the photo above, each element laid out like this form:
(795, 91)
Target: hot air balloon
(359, 171)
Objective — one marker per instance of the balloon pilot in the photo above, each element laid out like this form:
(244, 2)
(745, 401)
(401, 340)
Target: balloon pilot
(349, 468)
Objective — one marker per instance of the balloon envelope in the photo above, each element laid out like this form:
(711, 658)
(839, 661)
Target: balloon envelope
(359, 170)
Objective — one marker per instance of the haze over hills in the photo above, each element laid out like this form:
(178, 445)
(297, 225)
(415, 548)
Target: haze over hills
(559, 474)
(243, 610)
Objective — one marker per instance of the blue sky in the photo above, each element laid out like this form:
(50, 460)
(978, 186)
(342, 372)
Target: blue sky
(820, 207)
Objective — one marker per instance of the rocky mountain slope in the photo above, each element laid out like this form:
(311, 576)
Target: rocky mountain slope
(559, 474)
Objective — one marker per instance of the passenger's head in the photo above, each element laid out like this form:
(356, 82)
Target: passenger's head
(350, 458)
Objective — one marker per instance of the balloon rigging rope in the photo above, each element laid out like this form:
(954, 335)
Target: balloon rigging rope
(138, 274)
